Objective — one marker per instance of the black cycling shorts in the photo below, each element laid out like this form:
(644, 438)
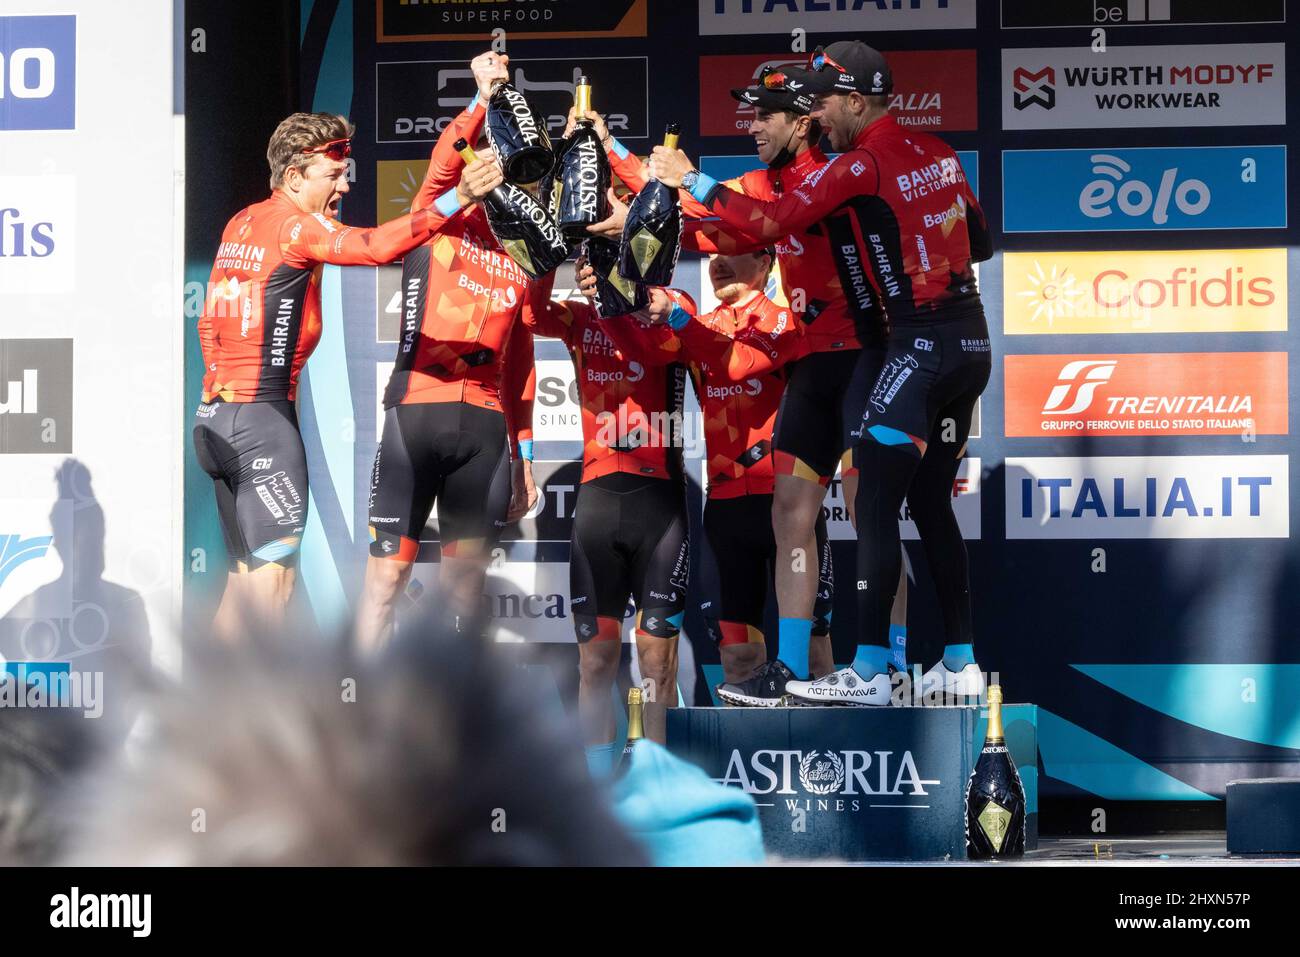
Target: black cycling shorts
(254, 453)
(820, 411)
(630, 538)
(739, 565)
(931, 371)
(451, 453)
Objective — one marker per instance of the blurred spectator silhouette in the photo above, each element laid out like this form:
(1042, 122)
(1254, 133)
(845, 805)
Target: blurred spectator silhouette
(298, 753)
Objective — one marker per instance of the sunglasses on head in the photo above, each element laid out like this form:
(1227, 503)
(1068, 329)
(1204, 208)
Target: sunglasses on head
(334, 149)
(771, 79)
(820, 59)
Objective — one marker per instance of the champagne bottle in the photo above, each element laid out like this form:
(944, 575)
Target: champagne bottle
(615, 296)
(517, 135)
(652, 235)
(995, 798)
(583, 171)
(521, 225)
(635, 732)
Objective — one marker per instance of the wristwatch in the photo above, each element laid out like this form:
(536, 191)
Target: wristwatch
(690, 179)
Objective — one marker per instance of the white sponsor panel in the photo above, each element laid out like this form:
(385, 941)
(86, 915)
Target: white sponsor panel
(1062, 88)
(859, 17)
(1133, 496)
(965, 505)
(557, 416)
(38, 220)
(529, 601)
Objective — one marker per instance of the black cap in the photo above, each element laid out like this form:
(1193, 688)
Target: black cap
(847, 66)
(773, 93)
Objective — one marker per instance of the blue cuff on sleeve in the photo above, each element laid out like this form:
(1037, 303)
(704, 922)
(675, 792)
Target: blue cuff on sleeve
(448, 204)
(526, 449)
(472, 103)
(679, 317)
(618, 148)
(704, 185)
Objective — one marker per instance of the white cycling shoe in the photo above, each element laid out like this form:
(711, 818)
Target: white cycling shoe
(957, 687)
(843, 687)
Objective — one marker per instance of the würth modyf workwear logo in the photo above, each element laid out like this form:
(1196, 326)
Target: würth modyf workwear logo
(1031, 88)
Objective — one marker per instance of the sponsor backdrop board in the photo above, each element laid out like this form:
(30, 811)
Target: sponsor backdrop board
(90, 338)
(1128, 557)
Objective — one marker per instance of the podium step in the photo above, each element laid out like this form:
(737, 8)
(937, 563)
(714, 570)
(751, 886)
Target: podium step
(855, 784)
(1264, 816)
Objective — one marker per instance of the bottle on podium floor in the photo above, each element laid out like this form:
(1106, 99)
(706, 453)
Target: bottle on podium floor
(995, 798)
(635, 731)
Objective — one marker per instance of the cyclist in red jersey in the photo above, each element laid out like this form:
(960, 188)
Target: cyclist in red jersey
(458, 407)
(630, 528)
(845, 348)
(914, 231)
(260, 322)
(738, 356)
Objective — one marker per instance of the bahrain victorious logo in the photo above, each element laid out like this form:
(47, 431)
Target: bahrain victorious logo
(1030, 88)
(1083, 378)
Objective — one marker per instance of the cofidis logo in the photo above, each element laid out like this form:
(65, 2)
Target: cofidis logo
(1156, 188)
(38, 73)
(1185, 290)
(1134, 496)
(1193, 393)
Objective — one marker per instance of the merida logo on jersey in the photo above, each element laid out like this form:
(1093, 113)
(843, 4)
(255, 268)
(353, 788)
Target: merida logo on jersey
(20, 240)
(280, 334)
(20, 396)
(930, 178)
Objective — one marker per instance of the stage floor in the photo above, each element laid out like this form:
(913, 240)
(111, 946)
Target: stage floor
(1193, 848)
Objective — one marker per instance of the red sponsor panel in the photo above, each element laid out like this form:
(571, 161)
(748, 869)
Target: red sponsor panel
(1184, 393)
(933, 89)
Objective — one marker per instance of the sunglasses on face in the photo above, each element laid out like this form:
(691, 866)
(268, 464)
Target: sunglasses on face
(336, 150)
(820, 60)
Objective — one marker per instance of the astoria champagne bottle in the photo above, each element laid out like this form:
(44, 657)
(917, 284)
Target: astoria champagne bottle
(521, 225)
(652, 235)
(995, 798)
(517, 135)
(615, 296)
(583, 172)
(634, 730)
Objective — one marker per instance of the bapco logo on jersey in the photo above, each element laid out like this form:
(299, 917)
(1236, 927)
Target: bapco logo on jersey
(1032, 88)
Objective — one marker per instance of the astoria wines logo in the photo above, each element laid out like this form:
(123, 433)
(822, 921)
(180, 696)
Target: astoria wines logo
(833, 780)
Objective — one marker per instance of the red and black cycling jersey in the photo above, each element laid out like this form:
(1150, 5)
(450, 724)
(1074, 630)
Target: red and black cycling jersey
(461, 296)
(631, 385)
(261, 318)
(903, 222)
(804, 256)
(737, 356)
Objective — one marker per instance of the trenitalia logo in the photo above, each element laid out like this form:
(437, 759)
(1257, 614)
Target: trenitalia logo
(1080, 379)
(1136, 497)
(1031, 88)
(1205, 290)
(1216, 393)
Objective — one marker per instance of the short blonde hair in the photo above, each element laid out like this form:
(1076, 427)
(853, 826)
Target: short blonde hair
(298, 133)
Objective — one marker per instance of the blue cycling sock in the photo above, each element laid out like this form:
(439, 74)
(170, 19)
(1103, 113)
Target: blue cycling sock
(957, 657)
(793, 635)
(898, 646)
(871, 660)
(600, 759)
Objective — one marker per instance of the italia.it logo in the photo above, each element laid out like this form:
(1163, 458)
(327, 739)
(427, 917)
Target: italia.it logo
(1077, 384)
(1053, 294)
